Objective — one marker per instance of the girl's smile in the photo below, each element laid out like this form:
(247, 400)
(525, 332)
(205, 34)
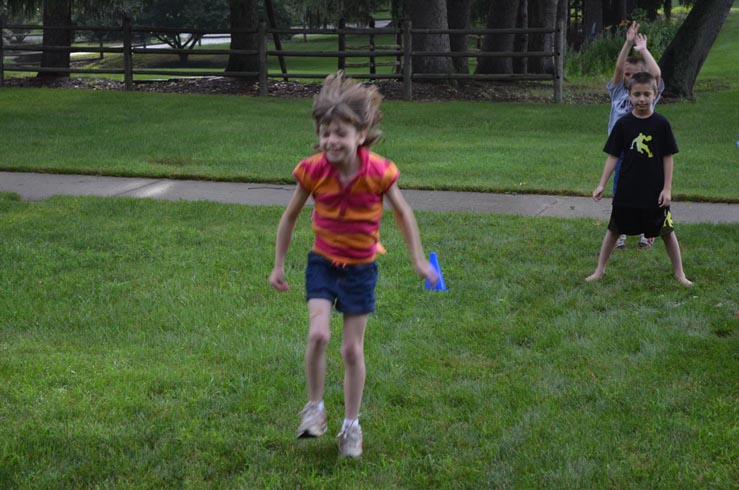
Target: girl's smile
(339, 141)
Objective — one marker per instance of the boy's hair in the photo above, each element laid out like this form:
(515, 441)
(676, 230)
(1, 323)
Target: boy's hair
(643, 77)
(636, 60)
(346, 99)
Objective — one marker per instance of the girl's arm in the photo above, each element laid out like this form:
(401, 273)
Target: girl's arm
(610, 164)
(409, 227)
(665, 197)
(284, 237)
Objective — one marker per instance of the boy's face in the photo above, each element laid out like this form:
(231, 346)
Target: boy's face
(630, 69)
(642, 97)
(339, 140)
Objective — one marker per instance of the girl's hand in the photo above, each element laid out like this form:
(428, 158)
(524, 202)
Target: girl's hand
(598, 193)
(665, 198)
(277, 279)
(426, 270)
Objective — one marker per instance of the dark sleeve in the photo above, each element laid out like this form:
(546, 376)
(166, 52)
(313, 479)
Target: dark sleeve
(669, 145)
(614, 145)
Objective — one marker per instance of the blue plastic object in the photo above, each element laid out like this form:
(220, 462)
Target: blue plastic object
(440, 285)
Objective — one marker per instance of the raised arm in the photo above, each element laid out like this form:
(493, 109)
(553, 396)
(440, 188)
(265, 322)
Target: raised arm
(631, 35)
(640, 45)
(409, 227)
(284, 237)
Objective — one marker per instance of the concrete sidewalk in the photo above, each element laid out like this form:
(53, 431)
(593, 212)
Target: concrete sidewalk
(36, 186)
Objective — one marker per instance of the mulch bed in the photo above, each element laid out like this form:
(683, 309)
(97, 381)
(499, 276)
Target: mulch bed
(537, 92)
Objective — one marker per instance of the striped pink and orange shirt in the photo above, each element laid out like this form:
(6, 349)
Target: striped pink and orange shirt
(346, 220)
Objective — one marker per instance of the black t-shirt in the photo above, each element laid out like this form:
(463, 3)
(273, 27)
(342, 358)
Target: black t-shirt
(643, 142)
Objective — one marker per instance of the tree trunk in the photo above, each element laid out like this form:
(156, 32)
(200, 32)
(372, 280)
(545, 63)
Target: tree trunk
(501, 15)
(592, 18)
(56, 13)
(458, 17)
(684, 57)
(430, 14)
(542, 13)
(244, 15)
(521, 41)
(615, 13)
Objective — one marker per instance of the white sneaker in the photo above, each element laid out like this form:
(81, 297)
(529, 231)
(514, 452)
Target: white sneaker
(350, 441)
(621, 242)
(313, 421)
(644, 243)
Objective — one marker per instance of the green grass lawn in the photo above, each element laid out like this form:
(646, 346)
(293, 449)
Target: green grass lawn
(535, 148)
(143, 348)
(462, 145)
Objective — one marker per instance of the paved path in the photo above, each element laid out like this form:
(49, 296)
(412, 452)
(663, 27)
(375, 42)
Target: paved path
(36, 186)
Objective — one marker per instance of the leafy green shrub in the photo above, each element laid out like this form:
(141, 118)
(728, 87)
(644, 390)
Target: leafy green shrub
(598, 56)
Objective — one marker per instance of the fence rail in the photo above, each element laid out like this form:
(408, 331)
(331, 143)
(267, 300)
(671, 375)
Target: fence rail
(401, 52)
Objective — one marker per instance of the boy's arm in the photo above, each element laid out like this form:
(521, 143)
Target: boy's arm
(284, 237)
(610, 164)
(618, 71)
(409, 227)
(640, 45)
(665, 197)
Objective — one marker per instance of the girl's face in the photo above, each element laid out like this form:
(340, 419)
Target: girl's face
(339, 141)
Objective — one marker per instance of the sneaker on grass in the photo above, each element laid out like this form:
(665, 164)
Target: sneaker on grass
(644, 243)
(621, 242)
(350, 441)
(313, 421)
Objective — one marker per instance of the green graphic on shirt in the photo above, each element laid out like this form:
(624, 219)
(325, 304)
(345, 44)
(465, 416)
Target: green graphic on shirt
(668, 221)
(641, 147)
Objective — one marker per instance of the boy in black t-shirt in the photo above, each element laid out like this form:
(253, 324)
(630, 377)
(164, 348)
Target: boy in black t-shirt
(643, 195)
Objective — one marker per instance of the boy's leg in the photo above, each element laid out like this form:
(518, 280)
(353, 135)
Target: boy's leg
(609, 243)
(352, 352)
(315, 353)
(673, 251)
(621, 242)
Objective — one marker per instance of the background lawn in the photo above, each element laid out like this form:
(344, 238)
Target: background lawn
(538, 148)
(143, 348)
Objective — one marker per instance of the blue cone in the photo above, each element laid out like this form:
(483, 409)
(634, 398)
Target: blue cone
(440, 286)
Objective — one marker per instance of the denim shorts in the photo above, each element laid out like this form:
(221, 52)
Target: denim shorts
(351, 288)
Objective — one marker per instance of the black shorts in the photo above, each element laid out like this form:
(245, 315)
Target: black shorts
(635, 221)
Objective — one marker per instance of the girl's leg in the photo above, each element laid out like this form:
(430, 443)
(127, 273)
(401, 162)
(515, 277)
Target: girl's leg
(352, 352)
(315, 353)
(673, 251)
(609, 243)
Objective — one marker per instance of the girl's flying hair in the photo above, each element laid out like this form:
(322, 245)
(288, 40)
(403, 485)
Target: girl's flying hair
(346, 99)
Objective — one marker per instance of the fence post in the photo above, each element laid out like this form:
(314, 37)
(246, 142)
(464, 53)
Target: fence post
(372, 46)
(342, 43)
(263, 67)
(2, 51)
(127, 53)
(407, 61)
(559, 54)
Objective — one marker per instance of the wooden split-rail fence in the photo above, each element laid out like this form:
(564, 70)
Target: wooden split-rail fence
(360, 60)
